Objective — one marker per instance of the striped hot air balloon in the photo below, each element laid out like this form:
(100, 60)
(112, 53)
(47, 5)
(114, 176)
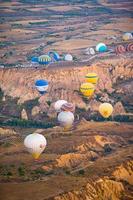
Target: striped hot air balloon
(120, 49)
(68, 107)
(44, 60)
(129, 47)
(41, 86)
(91, 78)
(87, 89)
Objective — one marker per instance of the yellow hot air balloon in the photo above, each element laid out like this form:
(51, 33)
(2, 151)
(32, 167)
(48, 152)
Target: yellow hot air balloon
(91, 78)
(87, 89)
(127, 36)
(106, 109)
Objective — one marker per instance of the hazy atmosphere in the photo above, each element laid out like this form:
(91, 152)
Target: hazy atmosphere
(66, 99)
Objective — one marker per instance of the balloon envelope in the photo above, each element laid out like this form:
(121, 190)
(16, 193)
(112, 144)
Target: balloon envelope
(127, 36)
(58, 105)
(106, 109)
(41, 86)
(87, 89)
(34, 59)
(91, 78)
(68, 57)
(66, 119)
(68, 107)
(35, 144)
(92, 51)
(44, 59)
(101, 47)
(54, 55)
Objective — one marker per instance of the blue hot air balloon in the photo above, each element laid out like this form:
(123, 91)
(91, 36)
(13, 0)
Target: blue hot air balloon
(41, 86)
(34, 59)
(54, 55)
(44, 59)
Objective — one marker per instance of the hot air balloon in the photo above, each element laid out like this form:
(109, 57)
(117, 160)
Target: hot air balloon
(68, 107)
(92, 51)
(87, 89)
(129, 47)
(34, 61)
(68, 57)
(101, 47)
(44, 60)
(41, 86)
(120, 49)
(35, 144)
(66, 119)
(127, 36)
(58, 105)
(106, 109)
(91, 78)
(54, 55)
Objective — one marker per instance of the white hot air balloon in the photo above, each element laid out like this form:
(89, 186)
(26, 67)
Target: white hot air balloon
(68, 57)
(35, 144)
(58, 104)
(66, 119)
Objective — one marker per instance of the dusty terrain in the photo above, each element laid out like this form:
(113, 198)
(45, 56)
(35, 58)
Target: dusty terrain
(32, 28)
(93, 160)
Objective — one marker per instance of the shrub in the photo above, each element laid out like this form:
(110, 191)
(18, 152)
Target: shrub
(81, 172)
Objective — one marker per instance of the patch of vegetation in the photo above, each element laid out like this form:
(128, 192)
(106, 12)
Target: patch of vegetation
(1, 94)
(21, 170)
(123, 118)
(39, 23)
(48, 102)
(81, 172)
(27, 123)
(16, 25)
(5, 171)
(6, 44)
(7, 144)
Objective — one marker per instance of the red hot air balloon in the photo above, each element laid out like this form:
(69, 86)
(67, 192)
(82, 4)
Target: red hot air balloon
(129, 47)
(120, 49)
(68, 107)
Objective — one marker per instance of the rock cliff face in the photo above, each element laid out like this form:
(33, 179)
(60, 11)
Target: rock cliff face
(64, 83)
(101, 189)
(105, 188)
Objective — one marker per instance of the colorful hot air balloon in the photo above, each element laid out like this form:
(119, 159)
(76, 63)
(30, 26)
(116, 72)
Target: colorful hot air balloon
(129, 47)
(101, 47)
(120, 49)
(66, 119)
(35, 144)
(68, 57)
(87, 89)
(44, 60)
(54, 55)
(68, 107)
(41, 86)
(58, 105)
(127, 36)
(106, 109)
(91, 78)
